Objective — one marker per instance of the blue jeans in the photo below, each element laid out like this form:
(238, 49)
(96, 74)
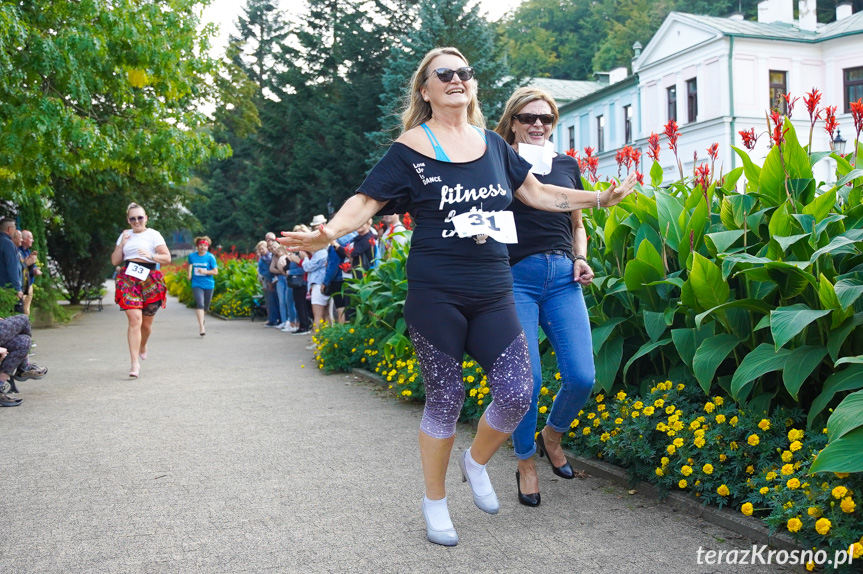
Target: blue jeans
(272, 306)
(282, 298)
(546, 295)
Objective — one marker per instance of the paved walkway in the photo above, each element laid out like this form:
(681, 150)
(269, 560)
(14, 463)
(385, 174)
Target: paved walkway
(234, 454)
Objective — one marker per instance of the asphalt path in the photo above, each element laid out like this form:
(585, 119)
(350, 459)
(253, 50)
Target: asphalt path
(233, 453)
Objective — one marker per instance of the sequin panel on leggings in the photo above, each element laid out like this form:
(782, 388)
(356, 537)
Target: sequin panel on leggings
(511, 383)
(443, 386)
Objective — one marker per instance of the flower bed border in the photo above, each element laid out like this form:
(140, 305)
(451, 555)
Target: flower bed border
(751, 528)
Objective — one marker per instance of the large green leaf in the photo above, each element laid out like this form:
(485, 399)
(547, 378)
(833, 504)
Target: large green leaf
(847, 417)
(760, 361)
(790, 279)
(708, 288)
(656, 173)
(838, 336)
(841, 455)
(720, 242)
(827, 293)
(821, 206)
(693, 232)
(838, 243)
(850, 379)
(749, 304)
(772, 181)
(655, 324)
(668, 211)
(786, 242)
(781, 223)
(644, 350)
(848, 291)
(752, 171)
(599, 334)
(688, 340)
(608, 363)
(800, 365)
(787, 322)
(710, 355)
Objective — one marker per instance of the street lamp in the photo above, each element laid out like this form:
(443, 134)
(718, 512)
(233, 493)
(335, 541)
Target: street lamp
(838, 144)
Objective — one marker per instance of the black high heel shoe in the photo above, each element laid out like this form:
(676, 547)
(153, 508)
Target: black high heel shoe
(526, 499)
(564, 471)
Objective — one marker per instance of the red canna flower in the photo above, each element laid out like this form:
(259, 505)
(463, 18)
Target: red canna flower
(653, 146)
(590, 164)
(672, 133)
(349, 249)
(776, 117)
(639, 177)
(830, 123)
(371, 240)
(702, 176)
(621, 157)
(713, 151)
(408, 221)
(345, 266)
(789, 101)
(778, 135)
(635, 156)
(749, 138)
(857, 114)
(811, 100)
(572, 152)
(694, 157)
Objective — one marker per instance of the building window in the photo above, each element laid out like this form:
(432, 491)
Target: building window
(778, 88)
(571, 137)
(672, 103)
(600, 134)
(627, 124)
(853, 87)
(691, 100)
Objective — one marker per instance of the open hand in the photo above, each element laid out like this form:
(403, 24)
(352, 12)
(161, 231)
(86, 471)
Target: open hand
(616, 192)
(310, 241)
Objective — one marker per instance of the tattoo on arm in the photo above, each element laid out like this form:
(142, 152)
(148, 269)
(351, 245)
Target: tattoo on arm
(560, 201)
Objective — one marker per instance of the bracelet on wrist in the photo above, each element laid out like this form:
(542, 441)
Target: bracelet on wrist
(581, 257)
(598, 205)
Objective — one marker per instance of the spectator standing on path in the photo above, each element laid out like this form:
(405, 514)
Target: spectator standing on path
(266, 279)
(459, 300)
(30, 257)
(203, 268)
(280, 281)
(315, 264)
(362, 253)
(140, 286)
(299, 290)
(10, 262)
(549, 268)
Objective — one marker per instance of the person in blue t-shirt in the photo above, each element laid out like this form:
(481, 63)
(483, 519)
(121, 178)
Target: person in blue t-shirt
(202, 268)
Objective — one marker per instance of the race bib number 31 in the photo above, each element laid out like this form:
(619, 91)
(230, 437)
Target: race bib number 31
(499, 225)
(137, 271)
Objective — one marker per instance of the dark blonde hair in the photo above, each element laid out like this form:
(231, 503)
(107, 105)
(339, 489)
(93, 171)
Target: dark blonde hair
(520, 98)
(132, 206)
(202, 238)
(418, 111)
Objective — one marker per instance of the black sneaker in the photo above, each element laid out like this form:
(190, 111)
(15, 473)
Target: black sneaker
(31, 371)
(306, 332)
(7, 401)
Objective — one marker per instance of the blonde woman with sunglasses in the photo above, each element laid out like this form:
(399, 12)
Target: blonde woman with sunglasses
(140, 286)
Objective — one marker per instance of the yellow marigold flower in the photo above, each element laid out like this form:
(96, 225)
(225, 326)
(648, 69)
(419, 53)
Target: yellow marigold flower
(747, 509)
(604, 436)
(682, 483)
(839, 492)
(793, 484)
(753, 440)
(847, 505)
(648, 411)
(787, 469)
(659, 472)
(479, 402)
(733, 445)
(858, 550)
(823, 525)
(618, 421)
(543, 409)
(543, 391)
(661, 427)
(750, 469)
(575, 423)
(473, 392)
(669, 409)
(720, 418)
(673, 419)
(699, 433)
(678, 442)
(699, 442)
(810, 566)
(658, 403)
(685, 470)
(794, 525)
(707, 468)
(591, 416)
(841, 474)
(733, 421)
(770, 475)
(638, 405)
(620, 396)
(664, 461)
(681, 386)
(709, 407)
(671, 449)
(585, 431)
(470, 378)
(723, 490)
(572, 435)
(600, 408)
(371, 341)
(722, 457)
(718, 401)
(694, 425)
(763, 490)
(557, 376)
(600, 398)
(795, 434)
(596, 422)
(605, 415)
(351, 331)
(796, 445)
(814, 511)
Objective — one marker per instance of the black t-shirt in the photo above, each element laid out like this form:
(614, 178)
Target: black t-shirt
(539, 230)
(434, 191)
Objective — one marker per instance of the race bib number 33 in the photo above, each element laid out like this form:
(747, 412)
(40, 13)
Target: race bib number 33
(499, 225)
(137, 271)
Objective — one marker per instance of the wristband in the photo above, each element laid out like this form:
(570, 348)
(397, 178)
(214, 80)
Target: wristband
(598, 206)
(582, 257)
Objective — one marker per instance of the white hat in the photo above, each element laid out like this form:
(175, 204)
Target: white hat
(318, 220)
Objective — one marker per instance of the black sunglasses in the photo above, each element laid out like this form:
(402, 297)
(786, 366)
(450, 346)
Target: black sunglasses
(530, 119)
(139, 219)
(445, 74)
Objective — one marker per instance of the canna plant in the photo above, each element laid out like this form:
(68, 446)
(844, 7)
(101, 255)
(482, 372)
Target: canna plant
(749, 281)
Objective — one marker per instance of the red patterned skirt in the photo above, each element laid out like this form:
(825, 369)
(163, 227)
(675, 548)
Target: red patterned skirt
(133, 293)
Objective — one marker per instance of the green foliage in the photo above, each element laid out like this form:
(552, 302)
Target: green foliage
(8, 300)
(236, 286)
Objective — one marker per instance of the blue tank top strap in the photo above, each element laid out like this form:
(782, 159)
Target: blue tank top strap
(439, 153)
(482, 133)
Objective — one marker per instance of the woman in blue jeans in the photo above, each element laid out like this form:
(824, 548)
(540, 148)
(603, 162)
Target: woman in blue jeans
(548, 269)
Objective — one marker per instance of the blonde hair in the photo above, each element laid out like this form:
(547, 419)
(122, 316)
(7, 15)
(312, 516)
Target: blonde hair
(301, 227)
(520, 98)
(418, 111)
(261, 246)
(134, 205)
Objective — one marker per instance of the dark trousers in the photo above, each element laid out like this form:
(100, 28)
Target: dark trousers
(304, 316)
(272, 306)
(15, 337)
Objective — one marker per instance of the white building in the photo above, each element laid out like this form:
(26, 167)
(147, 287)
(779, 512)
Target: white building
(718, 76)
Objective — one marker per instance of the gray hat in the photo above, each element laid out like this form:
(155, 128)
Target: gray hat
(318, 220)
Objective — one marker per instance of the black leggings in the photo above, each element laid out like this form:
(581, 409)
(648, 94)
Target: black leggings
(302, 306)
(444, 326)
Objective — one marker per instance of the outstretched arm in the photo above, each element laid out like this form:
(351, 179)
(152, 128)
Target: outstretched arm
(554, 198)
(355, 211)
